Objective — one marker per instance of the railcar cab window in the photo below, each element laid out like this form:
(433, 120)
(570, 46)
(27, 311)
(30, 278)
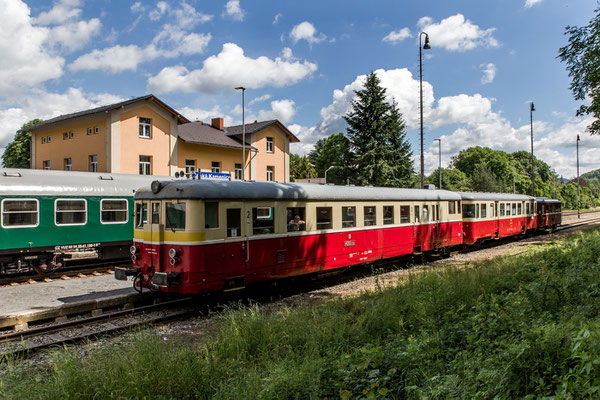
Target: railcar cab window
(370, 216)
(211, 215)
(417, 214)
(483, 210)
(451, 207)
(234, 222)
(425, 213)
(295, 219)
(19, 213)
(514, 208)
(113, 211)
(70, 212)
(388, 215)
(175, 215)
(324, 218)
(348, 217)
(141, 215)
(263, 221)
(491, 210)
(468, 210)
(404, 214)
(155, 218)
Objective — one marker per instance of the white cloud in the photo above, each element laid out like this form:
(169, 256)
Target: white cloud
(228, 69)
(159, 11)
(531, 3)
(74, 36)
(276, 18)
(233, 10)
(489, 73)
(264, 97)
(457, 34)
(61, 12)
(283, 110)
(306, 31)
(25, 61)
(187, 17)
(137, 7)
(397, 36)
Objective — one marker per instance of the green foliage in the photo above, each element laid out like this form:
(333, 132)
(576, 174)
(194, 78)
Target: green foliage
(483, 179)
(18, 152)
(582, 57)
(452, 179)
(514, 327)
(333, 151)
(377, 132)
(301, 168)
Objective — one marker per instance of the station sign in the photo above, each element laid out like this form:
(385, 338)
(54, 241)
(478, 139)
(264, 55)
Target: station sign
(218, 176)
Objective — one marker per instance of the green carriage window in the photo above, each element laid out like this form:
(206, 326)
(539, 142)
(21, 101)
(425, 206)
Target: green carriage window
(141, 214)
(70, 212)
(262, 221)
(175, 215)
(113, 211)
(19, 213)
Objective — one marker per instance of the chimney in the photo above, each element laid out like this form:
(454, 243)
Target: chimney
(217, 123)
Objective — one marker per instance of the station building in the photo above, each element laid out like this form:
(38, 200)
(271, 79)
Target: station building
(146, 136)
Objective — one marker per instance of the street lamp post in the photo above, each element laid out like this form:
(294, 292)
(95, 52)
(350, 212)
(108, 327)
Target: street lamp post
(531, 110)
(440, 159)
(514, 186)
(243, 89)
(425, 47)
(327, 170)
(578, 198)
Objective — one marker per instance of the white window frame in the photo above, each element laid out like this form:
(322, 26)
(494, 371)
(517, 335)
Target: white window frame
(96, 130)
(65, 135)
(215, 170)
(49, 139)
(69, 166)
(118, 222)
(71, 135)
(93, 162)
(271, 172)
(43, 139)
(90, 131)
(146, 133)
(69, 199)
(269, 216)
(270, 145)
(44, 165)
(189, 169)
(145, 163)
(11, 212)
(237, 171)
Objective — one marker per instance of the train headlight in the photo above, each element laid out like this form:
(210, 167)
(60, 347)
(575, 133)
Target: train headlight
(173, 253)
(133, 257)
(174, 261)
(133, 249)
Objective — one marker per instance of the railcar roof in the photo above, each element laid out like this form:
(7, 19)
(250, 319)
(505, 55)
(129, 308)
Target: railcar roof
(547, 200)
(494, 196)
(247, 190)
(36, 182)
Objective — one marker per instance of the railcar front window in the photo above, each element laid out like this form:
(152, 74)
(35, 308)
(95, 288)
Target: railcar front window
(451, 207)
(175, 215)
(370, 217)
(348, 217)
(155, 213)
(211, 215)
(113, 211)
(19, 213)
(468, 210)
(388, 215)
(263, 221)
(295, 219)
(324, 219)
(70, 212)
(141, 216)
(404, 214)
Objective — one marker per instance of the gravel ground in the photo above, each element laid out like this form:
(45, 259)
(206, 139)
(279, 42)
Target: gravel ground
(195, 330)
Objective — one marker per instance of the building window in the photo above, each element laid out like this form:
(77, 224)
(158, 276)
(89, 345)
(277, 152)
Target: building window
(238, 171)
(19, 213)
(43, 139)
(348, 217)
(65, 135)
(71, 135)
(68, 164)
(94, 163)
(270, 173)
(49, 139)
(190, 167)
(96, 130)
(269, 145)
(113, 211)
(216, 167)
(70, 212)
(90, 131)
(145, 165)
(145, 128)
(46, 164)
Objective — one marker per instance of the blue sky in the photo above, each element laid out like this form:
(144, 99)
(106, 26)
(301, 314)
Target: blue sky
(302, 61)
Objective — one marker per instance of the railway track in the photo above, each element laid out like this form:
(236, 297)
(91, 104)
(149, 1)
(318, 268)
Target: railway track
(65, 274)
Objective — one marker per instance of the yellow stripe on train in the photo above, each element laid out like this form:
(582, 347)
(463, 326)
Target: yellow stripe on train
(166, 236)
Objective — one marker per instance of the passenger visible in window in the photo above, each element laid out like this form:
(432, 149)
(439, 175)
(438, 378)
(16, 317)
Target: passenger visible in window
(296, 224)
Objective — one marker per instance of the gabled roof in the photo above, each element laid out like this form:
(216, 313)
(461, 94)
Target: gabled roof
(258, 126)
(199, 133)
(150, 97)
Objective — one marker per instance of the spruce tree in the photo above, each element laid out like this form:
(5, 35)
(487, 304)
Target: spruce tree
(377, 132)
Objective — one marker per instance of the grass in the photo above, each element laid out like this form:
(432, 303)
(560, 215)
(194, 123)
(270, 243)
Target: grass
(524, 326)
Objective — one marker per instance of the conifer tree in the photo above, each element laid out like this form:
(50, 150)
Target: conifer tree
(377, 132)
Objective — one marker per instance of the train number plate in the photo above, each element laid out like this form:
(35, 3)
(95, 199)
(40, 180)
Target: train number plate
(349, 243)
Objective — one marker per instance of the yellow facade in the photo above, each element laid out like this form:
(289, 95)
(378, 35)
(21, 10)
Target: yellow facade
(204, 155)
(275, 159)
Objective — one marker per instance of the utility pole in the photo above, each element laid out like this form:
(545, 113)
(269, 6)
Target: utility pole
(440, 158)
(243, 89)
(513, 165)
(531, 110)
(425, 47)
(578, 195)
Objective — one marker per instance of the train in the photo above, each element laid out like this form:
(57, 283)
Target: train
(200, 236)
(51, 218)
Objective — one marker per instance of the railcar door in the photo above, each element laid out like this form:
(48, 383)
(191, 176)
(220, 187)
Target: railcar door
(155, 231)
(237, 250)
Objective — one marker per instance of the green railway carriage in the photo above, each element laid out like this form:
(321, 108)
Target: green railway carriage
(48, 218)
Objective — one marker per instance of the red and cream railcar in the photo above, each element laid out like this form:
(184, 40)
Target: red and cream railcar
(548, 213)
(195, 236)
(495, 215)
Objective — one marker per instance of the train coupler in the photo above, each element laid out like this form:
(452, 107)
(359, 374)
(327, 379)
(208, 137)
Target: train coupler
(162, 279)
(121, 274)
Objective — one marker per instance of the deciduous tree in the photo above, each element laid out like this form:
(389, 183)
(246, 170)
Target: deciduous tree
(301, 168)
(18, 152)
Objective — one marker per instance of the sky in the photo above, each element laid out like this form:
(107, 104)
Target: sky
(301, 62)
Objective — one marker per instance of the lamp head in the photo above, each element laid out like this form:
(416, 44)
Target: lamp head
(426, 46)
(240, 88)
(532, 107)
